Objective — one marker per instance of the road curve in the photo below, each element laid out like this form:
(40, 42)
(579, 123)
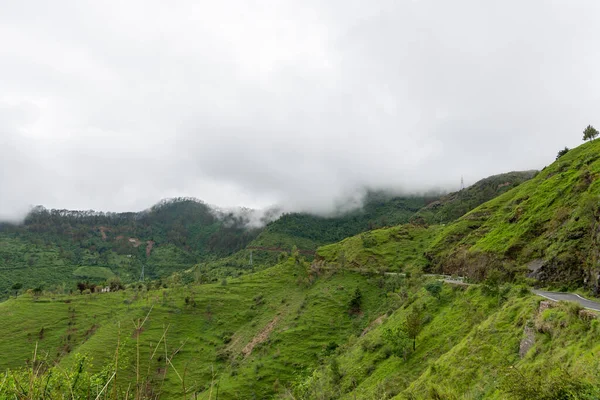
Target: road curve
(558, 296)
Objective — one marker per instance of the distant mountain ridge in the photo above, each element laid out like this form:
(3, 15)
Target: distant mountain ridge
(177, 234)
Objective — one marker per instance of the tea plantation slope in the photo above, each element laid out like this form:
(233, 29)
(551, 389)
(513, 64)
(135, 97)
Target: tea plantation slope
(547, 225)
(252, 335)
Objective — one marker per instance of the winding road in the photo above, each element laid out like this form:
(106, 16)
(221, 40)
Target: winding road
(558, 296)
(554, 296)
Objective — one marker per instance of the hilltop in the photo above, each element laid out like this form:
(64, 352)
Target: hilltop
(51, 245)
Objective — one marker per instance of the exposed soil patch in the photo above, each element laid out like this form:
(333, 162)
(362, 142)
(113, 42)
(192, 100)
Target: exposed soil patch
(373, 324)
(103, 230)
(260, 338)
(149, 245)
(135, 242)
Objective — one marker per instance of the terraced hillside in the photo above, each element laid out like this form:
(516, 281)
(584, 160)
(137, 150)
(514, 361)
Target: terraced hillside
(251, 335)
(296, 331)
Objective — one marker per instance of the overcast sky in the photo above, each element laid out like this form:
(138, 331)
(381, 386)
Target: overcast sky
(114, 105)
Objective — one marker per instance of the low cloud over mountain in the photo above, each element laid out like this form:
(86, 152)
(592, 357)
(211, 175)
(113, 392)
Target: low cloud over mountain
(113, 106)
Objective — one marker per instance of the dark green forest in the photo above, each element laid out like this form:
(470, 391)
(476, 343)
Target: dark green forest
(56, 249)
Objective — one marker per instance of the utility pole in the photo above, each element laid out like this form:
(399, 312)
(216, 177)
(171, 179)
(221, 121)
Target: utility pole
(142, 274)
(250, 258)
(462, 183)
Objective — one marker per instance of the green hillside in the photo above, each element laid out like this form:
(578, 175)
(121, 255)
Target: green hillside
(173, 236)
(387, 249)
(300, 331)
(250, 334)
(547, 226)
(307, 232)
(47, 249)
(185, 234)
(472, 343)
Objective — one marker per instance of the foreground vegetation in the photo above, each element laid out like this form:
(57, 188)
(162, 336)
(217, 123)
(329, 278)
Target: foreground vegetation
(296, 331)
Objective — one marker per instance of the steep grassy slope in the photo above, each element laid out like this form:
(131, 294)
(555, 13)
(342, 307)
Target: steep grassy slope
(493, 362)
(468, 347)
(252, 335)
(549, 224)
(454, 205)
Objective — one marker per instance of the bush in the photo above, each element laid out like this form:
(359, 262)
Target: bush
(557, 384)
(355, 301)
(115, 284)
(435, 289)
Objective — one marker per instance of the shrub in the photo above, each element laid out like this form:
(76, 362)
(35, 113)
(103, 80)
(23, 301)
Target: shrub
(355, 301)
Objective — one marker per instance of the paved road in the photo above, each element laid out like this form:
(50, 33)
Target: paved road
(558, 296)
(554, 296)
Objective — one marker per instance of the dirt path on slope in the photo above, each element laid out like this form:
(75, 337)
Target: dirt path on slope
(260, 337)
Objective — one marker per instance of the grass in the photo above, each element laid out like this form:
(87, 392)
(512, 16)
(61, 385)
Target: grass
(212, 325)
(454, 205)
(293, 330)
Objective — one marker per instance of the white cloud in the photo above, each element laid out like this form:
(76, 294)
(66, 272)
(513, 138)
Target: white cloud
(115, 105)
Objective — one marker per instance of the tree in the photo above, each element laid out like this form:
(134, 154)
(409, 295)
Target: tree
(115, 284)
(16, 287)
(413, 325)
(37, 291)
(590, 133)
(81, 286)
(435, 289)
(562, 152)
